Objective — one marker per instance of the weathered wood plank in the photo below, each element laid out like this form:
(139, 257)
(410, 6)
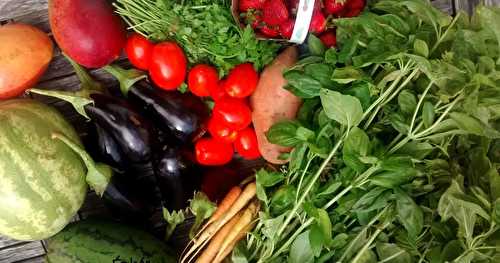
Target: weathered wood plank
(40, 259)
(15, 8)
(22, 252)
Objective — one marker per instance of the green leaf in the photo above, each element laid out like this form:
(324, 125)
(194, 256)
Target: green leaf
(202, 208)
(420, 48)
(316, 47)
(271, 225)
(428, 114)
(284, 133)
(304, 134)
(325, 225)
(173, 219)
(368, 256)
(496, 211)
(329, 189)
(347, 75)
(316, 239)
(239, 253)
(344, 109)
(494, 178)
(268, 179)
(320, 72)
(300, 251)
(261, 194)
(417, 150)
(339, 241)
(392, 179)
(302, 85)
(398, 122)
(473, 126)
(392, 253)
(368, 198)
(489, 19)
(283, 199)
(357, 144)
(451, 251)
(407, 102)
(361, 90)
(331, 56)
(410, 214)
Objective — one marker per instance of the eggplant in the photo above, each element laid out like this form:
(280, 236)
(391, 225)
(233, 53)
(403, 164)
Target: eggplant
(122, 194)
(183, 115)
(130, 131)
(107, 148)
(177, 178)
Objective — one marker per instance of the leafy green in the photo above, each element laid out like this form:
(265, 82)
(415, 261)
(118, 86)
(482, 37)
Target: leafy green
(206, 30)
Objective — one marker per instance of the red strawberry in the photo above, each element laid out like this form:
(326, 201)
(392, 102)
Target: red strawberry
(270, 31)
(329, 39)
(318, 23)
(275, 12)
(353, 8)
(318, 5)
(334, 7)
(245, 5)
(293, 5)
(286, 28)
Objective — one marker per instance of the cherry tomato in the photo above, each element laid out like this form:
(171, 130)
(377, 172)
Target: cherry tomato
(168, 65)
(234, 113)
(241, 81)
(210, 151)
(219, 130)
(201, 79)
(139, 50)
(218, 92)
(246, 144)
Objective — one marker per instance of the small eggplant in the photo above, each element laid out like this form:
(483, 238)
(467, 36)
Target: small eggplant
(183, 115)
(130, 131)
(107, 148)
(121, 194)
(177, 178)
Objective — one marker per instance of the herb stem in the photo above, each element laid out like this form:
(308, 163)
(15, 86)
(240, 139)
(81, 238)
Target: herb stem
(435, 124)
(370, 241)
(443, 36)
(420, 101)
(310, 186)
(302, 178)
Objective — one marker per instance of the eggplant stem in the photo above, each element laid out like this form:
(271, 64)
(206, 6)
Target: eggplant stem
(88, 84)
(126, 77)
(98, 174)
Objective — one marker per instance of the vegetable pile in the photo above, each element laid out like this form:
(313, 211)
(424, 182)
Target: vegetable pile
(396, 146)
(205, 29)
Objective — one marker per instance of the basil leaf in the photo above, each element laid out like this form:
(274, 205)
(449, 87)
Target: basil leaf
(428, 114)
(420, 48)
(283, 199)
(268, 179)
(407, 102)
(347, 75)
(301, 85)
(320, 72)
(344, 109)
(388, 250)
(300, 251)
(410, 214)
(316, 47)
(283, 133)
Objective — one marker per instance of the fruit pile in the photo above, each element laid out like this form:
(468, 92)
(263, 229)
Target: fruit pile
(276, 18)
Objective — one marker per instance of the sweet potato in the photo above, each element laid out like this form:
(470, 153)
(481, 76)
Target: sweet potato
(25, 53)
(272, 103)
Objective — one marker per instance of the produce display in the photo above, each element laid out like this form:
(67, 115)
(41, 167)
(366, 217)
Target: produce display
(374, 139)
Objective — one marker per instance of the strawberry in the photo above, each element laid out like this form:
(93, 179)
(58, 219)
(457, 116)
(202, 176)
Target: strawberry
(318, 5)
(329, 38)
(334, 7)
(293, 5)
(270, 31)
(275, 12)
(245, 5)
(318, 23)
(353, 8)
(286, 28)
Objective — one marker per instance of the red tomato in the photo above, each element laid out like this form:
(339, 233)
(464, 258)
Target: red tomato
(234, 113)
(210, 151)
(241, 81)
(168, 65)
(201, 79)
(246, 144)
(218, 92)
(218, 130)
(139, 50)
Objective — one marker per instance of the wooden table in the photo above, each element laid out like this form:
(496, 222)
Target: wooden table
(60, 76)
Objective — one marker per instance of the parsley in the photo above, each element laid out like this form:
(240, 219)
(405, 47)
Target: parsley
(205, 29)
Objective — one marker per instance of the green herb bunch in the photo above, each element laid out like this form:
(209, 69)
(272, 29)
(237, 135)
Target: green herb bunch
(396, 147)
(205, 29)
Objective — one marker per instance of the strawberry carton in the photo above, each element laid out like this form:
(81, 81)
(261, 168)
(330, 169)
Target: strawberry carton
(292, 20)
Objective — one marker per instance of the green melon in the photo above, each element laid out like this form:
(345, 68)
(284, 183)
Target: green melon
(42, 181)
(95, 241)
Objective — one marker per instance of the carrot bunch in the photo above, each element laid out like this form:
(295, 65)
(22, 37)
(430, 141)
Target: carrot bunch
(234, 217)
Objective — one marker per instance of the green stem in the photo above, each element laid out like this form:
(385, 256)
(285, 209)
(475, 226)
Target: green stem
(309, 187)
(87, 84)
(127, 78)
(420, 101)
(98, 175)
(435, 124)
(292, 238)
(443, 36)
(370, 241)
(302, 178)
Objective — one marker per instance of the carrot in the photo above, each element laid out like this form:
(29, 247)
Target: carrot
(226, 203)
(229, 249)
(245, 220)
(204, 237)
(214, 246)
